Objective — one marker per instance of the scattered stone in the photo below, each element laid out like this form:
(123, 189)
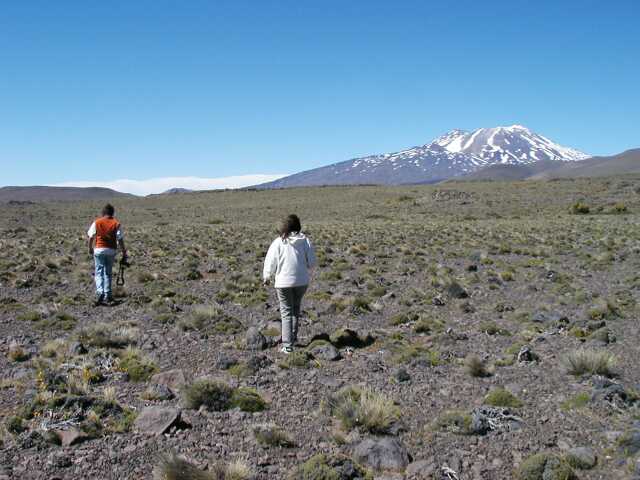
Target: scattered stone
(455, 290)
(225, 362)
(401, 375)
(421, 469)
(324, 351)
(71, 437)
(158, 391)
(583, 458)
(77, 348)
(382, 453)
(58, 459)
(174, 379)
(157, 420)
(526, 355)
(254, 340)
(486, 419)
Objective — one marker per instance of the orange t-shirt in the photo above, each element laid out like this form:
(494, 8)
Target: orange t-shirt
(106, 232)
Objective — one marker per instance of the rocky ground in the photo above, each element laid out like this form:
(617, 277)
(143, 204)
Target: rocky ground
(460, 331)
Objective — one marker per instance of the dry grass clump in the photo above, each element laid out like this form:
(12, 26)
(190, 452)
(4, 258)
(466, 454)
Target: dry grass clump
(212, 394)
(105, 335)
(544, 466)
(136, 365)
(454, 421)
(476, 367)
(595, 362)
(363, 408)
(270, 435)
(173, 467)
(17, 353)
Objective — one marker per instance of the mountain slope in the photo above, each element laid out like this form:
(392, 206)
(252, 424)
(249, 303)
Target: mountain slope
(622, 164)
(55, 194)
(454, 154)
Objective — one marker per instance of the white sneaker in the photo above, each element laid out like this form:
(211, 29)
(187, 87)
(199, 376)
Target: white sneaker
(286, 350)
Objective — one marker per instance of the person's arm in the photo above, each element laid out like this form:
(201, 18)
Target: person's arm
(92, 237)
(311, 255)
(270, 263)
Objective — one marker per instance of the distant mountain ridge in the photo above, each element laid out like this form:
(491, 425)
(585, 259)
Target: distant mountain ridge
(453, 154)
(625, 163)
(57, 194)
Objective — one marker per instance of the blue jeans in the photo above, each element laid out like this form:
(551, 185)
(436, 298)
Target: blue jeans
(104, 269)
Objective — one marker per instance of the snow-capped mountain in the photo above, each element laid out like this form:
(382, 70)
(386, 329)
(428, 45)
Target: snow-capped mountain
(456, 153)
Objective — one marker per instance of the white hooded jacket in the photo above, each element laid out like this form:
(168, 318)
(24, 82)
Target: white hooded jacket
(290, 260)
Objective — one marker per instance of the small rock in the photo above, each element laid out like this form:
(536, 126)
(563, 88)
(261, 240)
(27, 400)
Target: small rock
(158, 391)
(325, 351)
(59, 459)
(401, 375)
(382, 453)
(420, 469)
(157, 420)
(582, 457)
(77, 348)
(72, 436)
(254, 340)
(174, 379)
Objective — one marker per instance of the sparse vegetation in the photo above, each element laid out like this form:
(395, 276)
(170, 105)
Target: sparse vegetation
(363, 408)
(594, 362)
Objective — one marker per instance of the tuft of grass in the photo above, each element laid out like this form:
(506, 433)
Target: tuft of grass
(296, 359)
(580, 208)
(316, 468)
(454, 421)
(248, 400)
(363, 408)
(172, 467)
(212, 394)
(136, 365)
(105, 335)
(501, 397)
(594, 362)
(579, 400)
(17, 353)
(475, 366)
(544, 466)
(15, 424)
(270, 435)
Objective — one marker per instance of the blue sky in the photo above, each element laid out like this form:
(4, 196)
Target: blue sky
(138, 89)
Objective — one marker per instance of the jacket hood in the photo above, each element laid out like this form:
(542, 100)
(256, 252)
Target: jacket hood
(295, 238)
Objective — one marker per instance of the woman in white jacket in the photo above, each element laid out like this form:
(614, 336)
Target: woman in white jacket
(290, 257)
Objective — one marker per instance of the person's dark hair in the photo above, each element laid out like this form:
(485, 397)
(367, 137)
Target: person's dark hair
(289, 225)
(108, 210)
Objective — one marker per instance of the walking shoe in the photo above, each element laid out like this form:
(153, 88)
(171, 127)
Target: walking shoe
(109, 300)
(286, 350)
(99, 300)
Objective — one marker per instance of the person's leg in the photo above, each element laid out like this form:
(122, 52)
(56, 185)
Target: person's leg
(298, 293)
(286, 309)
(108, 271)
(99, 276)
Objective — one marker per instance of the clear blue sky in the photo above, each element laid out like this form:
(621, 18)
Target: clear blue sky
(151, 88)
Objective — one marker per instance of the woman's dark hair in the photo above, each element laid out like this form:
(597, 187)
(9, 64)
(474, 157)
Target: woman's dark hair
(108, 210)
(289, 225)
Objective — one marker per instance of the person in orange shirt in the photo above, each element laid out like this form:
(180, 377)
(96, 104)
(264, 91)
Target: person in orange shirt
(105, 235)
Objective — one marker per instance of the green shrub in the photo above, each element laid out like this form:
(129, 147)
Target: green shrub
(501, 397)
(544, 466)
(136, 365)
(214, 395)
(248, 400)
(579, 208)
(454, 421)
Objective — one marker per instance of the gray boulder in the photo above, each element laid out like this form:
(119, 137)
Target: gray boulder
(382, 453)
(157, 420)
(174, 379)
(324, 351)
